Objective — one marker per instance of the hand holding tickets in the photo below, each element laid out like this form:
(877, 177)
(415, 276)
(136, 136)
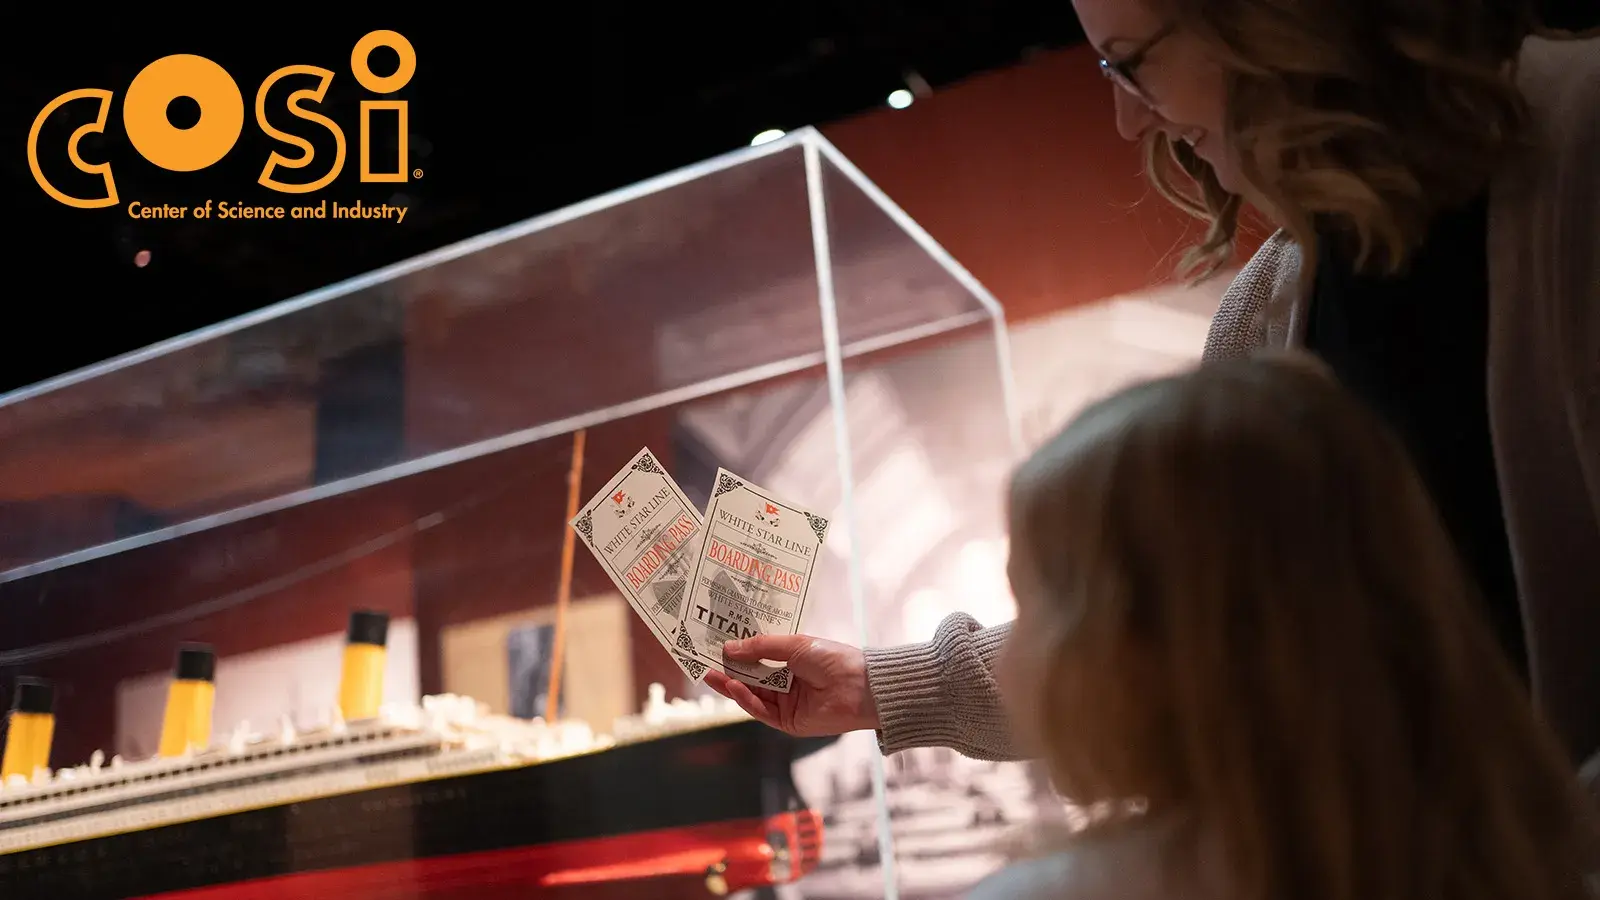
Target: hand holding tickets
(745, 569)
(752, 577)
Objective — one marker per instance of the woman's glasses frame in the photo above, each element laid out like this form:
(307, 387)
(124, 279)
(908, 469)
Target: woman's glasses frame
(1123, 72)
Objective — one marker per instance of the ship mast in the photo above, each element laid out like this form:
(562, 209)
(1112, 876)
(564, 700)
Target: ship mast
(552, 705)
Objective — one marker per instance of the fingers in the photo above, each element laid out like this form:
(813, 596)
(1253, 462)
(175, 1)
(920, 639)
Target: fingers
(760, 709)
(719, 682)
(777, 647)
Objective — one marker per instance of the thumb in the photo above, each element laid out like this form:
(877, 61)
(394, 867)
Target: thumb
(777, 647)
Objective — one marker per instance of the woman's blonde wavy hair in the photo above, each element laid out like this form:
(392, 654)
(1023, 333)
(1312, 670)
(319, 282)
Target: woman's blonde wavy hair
(1246, 616)
(1371, 115)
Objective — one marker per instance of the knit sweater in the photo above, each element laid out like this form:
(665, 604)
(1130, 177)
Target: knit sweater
(1544, 410)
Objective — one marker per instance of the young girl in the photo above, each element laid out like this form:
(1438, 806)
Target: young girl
(1243, 633)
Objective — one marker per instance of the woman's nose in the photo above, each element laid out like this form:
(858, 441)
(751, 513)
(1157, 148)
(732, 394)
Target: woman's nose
(1134, 116)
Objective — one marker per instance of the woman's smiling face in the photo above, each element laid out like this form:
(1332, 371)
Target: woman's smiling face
(1173, 85)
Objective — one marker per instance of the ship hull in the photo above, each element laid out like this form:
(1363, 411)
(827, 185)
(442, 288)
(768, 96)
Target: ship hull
(672, 863)
(659, 809)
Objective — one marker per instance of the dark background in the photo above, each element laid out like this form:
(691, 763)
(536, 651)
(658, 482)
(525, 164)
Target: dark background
(509, 119)
(512, 114)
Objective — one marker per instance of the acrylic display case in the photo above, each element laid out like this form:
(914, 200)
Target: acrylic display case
(405, 443)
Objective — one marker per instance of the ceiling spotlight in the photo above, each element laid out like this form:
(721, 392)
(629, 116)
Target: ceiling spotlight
(766, 137)
(900, 99)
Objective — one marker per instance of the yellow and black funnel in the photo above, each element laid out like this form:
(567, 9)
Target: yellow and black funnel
(33, 725)
(365, 649)
(187, 726)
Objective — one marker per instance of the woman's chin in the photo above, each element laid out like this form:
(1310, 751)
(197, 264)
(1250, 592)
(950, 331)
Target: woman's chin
(1227, 174)
(1232, 181)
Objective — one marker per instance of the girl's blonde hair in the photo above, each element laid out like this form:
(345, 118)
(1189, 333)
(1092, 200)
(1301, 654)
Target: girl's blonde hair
(1254, 620)
(1374, 115)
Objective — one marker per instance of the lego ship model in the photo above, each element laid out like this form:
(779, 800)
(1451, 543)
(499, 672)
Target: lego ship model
(434, 800)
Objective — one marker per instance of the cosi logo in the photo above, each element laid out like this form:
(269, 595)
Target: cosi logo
(144, 118)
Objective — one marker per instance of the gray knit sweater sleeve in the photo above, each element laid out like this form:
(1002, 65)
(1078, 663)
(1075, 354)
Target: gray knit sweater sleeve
(943, 693)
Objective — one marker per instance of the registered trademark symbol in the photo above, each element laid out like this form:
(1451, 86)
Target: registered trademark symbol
(416, 173)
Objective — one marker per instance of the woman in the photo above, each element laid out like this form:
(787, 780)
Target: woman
(1431, 165)
(1193, 559)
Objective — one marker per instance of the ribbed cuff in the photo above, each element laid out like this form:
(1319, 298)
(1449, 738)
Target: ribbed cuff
(908, 693)
(942, 693)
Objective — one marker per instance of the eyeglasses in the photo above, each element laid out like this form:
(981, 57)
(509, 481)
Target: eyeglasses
(1122, 72)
